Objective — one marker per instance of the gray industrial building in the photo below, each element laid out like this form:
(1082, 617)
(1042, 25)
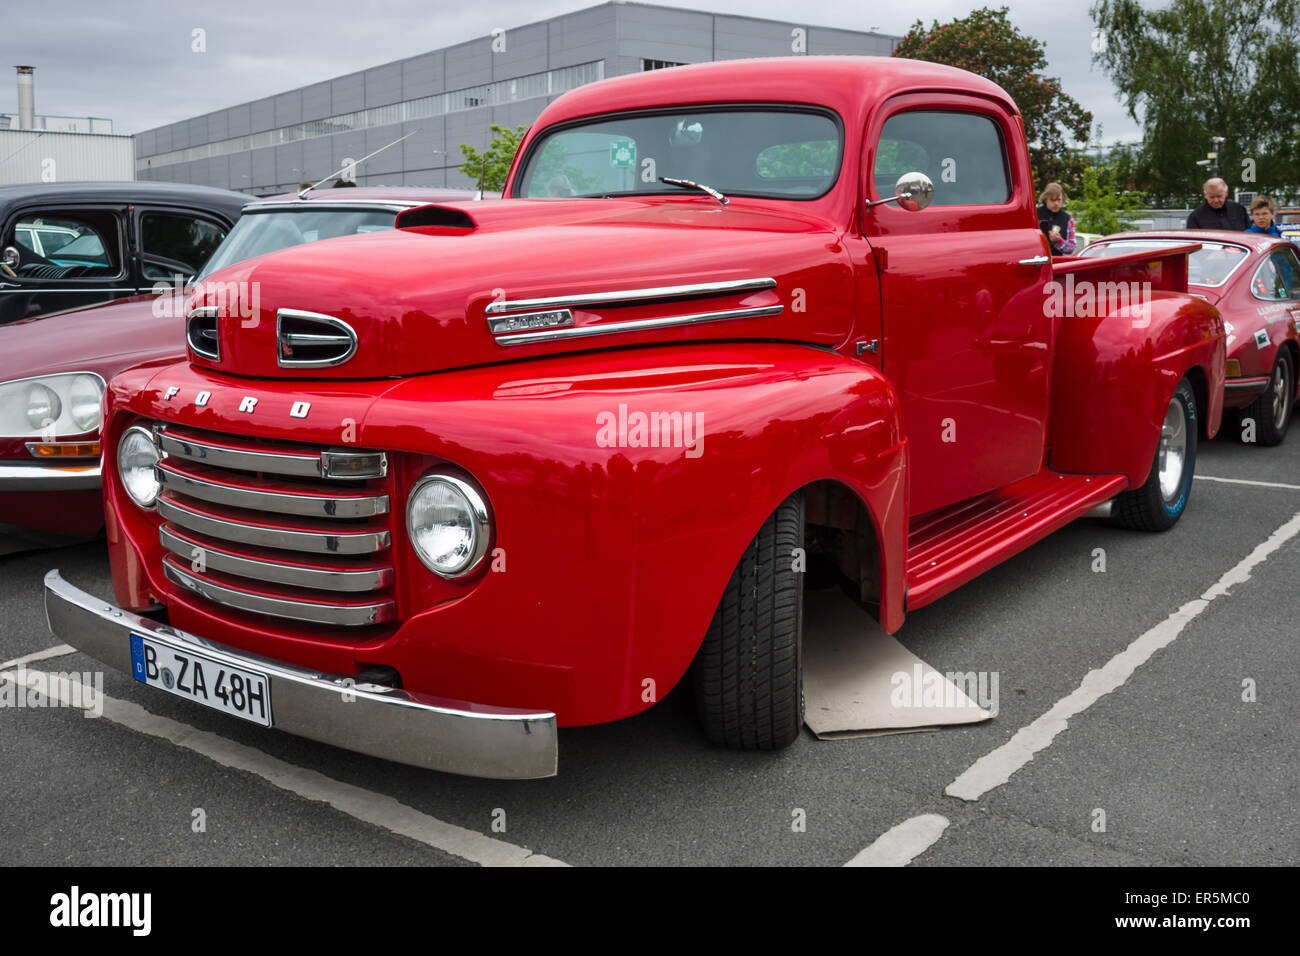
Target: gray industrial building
(452, 95)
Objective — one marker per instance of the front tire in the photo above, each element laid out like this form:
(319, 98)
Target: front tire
(748, 674)
(1272, 410)
(1160, 502)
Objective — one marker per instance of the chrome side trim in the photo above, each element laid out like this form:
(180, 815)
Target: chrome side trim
(406, 727)
(629, 296)
(1255, 384)
(639, 325)
(275, 572)
(393, 205)
(35, 476)
(313, 542)
(357, 615)
(321, 506)
(276, 463)
(347, 339)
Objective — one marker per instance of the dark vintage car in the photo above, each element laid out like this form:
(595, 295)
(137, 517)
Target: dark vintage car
(1254, 281)
(53, 368)
(71, 245)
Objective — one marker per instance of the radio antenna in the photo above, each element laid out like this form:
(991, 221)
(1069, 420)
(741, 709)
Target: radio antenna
(303, 194)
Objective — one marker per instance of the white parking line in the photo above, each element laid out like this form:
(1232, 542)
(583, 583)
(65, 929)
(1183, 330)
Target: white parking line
(905, 842)
(374, 808)
(995, 768)
(1243, 481)
(902, 844)
(58, 650)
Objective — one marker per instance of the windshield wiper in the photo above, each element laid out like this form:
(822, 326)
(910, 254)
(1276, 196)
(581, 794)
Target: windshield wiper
(694, 185)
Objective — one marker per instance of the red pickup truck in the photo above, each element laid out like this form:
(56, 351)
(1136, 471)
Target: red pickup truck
(527, 464)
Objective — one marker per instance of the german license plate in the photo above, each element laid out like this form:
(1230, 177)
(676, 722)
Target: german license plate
(231, 690)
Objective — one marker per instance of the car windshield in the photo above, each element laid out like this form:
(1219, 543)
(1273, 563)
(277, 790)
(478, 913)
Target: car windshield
(259, 232)
(778, 153)
(1211, 265)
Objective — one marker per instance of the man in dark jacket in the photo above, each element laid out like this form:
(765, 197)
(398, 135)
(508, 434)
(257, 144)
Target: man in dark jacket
(1218, 211)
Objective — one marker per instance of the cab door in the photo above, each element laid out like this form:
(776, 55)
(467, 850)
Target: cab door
(966, 337)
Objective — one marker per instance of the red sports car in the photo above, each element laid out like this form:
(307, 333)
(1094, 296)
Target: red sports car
(1254, 280)
(53, 367)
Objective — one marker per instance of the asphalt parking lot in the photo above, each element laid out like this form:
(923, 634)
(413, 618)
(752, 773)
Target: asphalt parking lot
(1156, 758)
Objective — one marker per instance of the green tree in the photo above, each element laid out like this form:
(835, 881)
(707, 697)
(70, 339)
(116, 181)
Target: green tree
(986, 43)
(1102, 205)
(499, 155)
(1202, 68)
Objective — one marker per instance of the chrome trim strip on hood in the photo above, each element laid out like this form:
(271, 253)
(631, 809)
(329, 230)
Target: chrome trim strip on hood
(638, 325)
(629, 296)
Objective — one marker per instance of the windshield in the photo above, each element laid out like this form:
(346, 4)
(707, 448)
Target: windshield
(785, 154)
(257, 233)
(1211, 265)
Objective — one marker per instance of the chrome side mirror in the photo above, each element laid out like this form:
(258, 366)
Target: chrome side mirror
(913, 192)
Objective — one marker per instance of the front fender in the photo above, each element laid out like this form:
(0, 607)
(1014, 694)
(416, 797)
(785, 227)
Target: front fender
(611, 547)
(1113, 375)
(613, 550)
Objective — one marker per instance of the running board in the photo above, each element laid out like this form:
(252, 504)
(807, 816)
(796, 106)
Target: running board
(948, 547)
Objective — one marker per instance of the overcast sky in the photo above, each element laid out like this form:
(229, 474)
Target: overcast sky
(130, 60)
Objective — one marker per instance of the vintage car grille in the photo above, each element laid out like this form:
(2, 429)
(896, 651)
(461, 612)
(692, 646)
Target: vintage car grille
(268, 528)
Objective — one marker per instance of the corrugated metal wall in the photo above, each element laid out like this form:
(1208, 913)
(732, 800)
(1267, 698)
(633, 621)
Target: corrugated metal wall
(32, 156)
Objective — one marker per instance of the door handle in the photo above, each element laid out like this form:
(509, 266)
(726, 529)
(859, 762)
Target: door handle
(1036, 261)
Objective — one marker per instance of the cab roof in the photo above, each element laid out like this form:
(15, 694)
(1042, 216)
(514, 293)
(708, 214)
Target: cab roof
(848, 84)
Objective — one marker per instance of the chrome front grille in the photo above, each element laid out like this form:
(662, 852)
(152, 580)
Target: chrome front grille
(270, 528)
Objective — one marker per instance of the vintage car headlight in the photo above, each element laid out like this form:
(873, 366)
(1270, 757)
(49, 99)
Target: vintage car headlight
(447, 522)
(43, 405)
(67, 404)
(136, 456)
(84, 395)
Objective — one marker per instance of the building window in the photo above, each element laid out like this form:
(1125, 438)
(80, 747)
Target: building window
(647, 65)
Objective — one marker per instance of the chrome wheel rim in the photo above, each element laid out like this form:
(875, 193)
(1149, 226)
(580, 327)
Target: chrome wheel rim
(1173, 451)
(1281, 392)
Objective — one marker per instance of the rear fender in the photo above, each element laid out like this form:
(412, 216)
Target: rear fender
(1114, 374)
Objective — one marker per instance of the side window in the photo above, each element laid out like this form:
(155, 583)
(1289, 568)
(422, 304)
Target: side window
(962, 153)
(1278, 276)
(68, 244)
(179, 238)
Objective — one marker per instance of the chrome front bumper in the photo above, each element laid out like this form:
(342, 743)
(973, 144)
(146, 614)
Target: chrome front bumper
(415, 729)
(38, 476)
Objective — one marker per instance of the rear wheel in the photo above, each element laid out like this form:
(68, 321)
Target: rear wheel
(1272, 410)
(748, 674)
(1158, 504)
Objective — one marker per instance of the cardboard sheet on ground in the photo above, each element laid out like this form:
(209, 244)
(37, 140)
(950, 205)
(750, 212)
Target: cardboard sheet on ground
(860, 682)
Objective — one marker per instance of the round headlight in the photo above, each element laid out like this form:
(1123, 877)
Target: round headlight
(43, 406)
(136, 456)
(447, 523)
(83, 402)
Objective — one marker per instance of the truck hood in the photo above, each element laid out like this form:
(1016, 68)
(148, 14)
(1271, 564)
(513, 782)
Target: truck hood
(550, 276)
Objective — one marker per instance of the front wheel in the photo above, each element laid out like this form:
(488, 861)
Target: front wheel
(749, 672)
(1158, 504)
